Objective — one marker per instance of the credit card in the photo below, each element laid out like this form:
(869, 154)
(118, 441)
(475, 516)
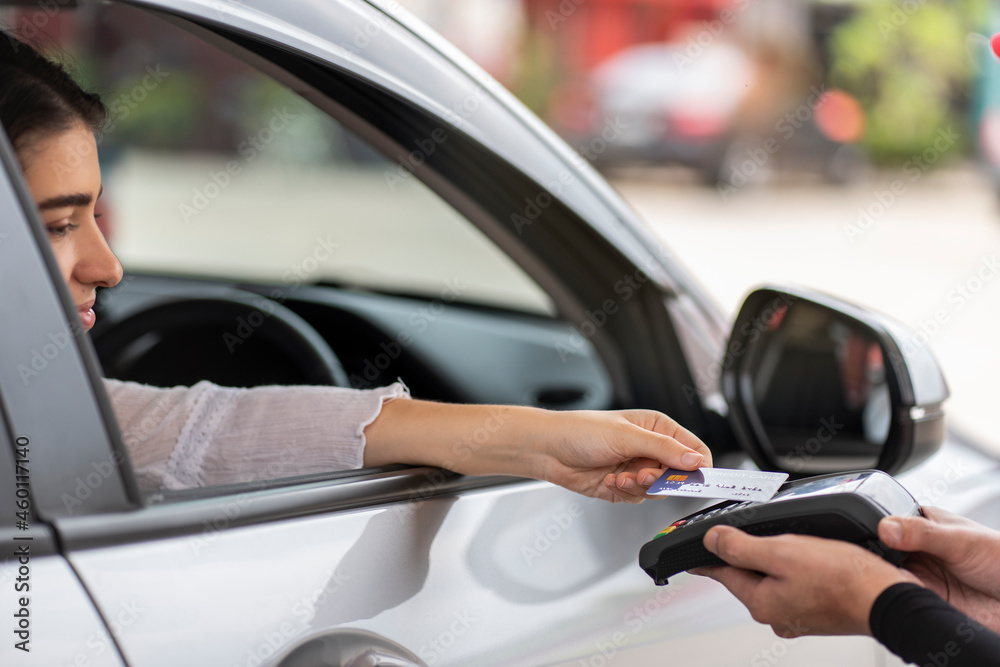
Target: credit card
(719, 483)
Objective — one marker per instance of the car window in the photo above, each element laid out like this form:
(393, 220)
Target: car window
(214, 169)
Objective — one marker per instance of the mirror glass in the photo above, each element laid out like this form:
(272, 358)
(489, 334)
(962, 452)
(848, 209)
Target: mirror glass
(815, 389)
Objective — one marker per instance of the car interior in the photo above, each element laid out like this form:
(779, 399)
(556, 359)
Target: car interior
(382, 288)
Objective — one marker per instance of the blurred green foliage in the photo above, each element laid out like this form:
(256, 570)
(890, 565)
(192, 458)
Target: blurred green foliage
(154, 117)
(909, 64)
(142, 109)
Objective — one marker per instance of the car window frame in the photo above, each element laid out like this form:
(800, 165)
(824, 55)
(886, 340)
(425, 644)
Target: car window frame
(15, 476)
(67, 405)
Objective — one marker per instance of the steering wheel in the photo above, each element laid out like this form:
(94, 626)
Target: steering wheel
(232, 338)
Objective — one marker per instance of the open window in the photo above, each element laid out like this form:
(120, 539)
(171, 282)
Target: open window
(276, 185)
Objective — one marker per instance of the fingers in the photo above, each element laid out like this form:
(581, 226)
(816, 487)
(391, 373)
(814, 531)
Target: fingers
(647, 476)
(952, 541)
(707, 461)
(913, 534)
(789, 630)
(944, 517)
(635, 479)
(742, 550)
(669, 427)
(689, 440)
(634, 484)
(664, 440)
(799, 583)
(643, 477)
(625, 487)
(672, 453)
(741, 583)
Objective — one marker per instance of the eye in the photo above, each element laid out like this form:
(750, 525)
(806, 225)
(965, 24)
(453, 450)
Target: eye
(60, 230)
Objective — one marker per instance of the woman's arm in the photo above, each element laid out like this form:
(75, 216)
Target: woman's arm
(207, 435)
(609, 455)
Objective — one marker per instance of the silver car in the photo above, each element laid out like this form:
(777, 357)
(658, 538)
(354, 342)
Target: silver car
(405, 217)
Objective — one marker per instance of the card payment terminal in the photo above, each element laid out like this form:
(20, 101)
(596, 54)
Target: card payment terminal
(844, 506)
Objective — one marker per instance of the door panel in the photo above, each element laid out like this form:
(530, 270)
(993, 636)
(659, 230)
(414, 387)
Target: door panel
(64, 625)
(526, 574)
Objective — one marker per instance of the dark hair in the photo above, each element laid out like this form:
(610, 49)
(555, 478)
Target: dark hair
(38, 96)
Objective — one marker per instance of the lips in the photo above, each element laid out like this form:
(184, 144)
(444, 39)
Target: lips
(87, 316)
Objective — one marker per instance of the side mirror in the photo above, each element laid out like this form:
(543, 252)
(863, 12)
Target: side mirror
(816, 385)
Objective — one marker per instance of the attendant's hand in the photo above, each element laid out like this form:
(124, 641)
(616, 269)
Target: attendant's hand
(957, 558)
(616, 456)
(801, 585)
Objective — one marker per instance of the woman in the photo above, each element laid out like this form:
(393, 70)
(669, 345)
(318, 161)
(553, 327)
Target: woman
(206, 435)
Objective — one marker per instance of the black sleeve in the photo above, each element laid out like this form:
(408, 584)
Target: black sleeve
(921, 628)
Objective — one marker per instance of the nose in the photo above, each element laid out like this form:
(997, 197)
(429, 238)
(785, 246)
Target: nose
(96, 265)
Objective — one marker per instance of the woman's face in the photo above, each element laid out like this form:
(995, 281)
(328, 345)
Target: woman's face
(65, 181)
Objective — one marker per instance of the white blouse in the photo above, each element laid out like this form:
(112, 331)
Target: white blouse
(206, 435)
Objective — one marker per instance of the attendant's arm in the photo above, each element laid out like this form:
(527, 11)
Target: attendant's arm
(955, 557)
(804, 585)
(918, 626)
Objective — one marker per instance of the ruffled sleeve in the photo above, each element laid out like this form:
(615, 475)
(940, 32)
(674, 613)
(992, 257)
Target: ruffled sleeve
(206, 435)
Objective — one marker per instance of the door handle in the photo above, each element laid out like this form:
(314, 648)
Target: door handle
(378, 658)
(349, 648)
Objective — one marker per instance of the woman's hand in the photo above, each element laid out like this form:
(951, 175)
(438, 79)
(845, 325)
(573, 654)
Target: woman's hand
(801, 585)
(616, 456)
(956, 558)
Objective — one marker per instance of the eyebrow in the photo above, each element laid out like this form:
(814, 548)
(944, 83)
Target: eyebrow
(64, 201)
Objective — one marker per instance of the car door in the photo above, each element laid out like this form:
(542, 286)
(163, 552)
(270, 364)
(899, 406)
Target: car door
(51, 618)
(417, 566)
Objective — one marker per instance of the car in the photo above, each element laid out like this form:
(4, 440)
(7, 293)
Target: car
(669, 103)
(329, 192)
(672, 108)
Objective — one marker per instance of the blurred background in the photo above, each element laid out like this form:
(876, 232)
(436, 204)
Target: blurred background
(849, 147)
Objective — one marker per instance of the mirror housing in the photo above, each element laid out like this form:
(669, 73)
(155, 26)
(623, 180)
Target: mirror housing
(817, 385)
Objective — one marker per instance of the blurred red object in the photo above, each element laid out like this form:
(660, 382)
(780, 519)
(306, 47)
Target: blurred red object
(572, 107)
(995, 43)
(587, 32)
